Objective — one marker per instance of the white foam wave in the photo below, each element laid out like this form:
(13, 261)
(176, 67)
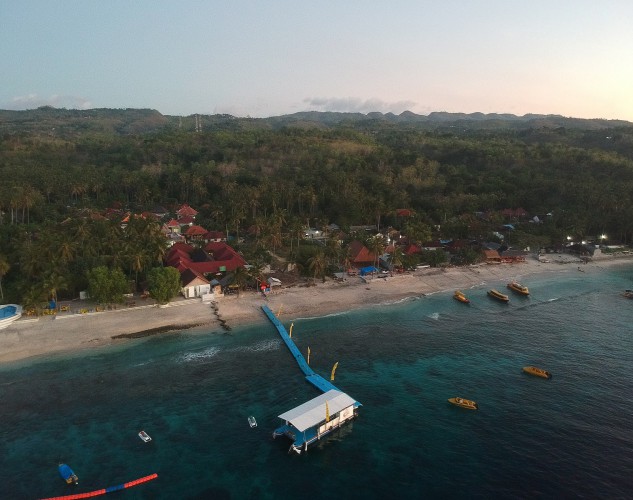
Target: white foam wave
(200, 355)
(262, 346)
(434, 316)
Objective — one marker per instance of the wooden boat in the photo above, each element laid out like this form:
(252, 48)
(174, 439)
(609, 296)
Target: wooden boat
(628, 294)
(518, 288)
(498, 295)
(464, 403)
(458, 295)
(144, 436)
(252, 422)
(67, 474)
(537, 372)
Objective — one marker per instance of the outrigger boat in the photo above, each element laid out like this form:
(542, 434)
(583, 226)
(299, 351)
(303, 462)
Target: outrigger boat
(459, 295)
(67, 474)
(464, 403)
(498, 295)
(518, 288)
(538, 372)
(252, 422)
(144, 436)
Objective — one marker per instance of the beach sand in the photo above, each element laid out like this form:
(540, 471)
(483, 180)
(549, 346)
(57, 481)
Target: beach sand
(72, 331)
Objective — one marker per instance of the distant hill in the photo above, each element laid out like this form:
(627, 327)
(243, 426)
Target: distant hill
(66, 123)
(72, 122)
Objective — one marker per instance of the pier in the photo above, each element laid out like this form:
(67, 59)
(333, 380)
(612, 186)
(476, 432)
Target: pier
(311, 376)
(312, 420)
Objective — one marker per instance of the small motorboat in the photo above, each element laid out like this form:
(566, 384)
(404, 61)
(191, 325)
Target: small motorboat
(537, 372)
(67, 474)
(252, 422)
(144, 436)
(459, 296)
(518, 288)
(498, 295)
(464, 403)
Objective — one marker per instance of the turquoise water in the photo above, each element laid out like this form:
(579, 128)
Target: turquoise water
(569, 437)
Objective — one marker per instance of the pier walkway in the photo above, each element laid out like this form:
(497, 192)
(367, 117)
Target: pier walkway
(311, 376)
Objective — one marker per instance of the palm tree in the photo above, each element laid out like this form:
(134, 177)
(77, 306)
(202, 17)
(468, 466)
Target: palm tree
(240, 278)
(376, 246)
(397, 257)
(4, 269)
(317, 264)
(54, 282)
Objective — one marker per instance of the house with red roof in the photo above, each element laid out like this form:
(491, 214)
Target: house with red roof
(361, 256)
(186, 211)
(213, 258)
(195, 233)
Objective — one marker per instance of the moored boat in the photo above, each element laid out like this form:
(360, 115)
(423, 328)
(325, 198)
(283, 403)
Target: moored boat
(498, 295)
(144, 436)
(518, 288)
(459, 295)
(67, 474)
(464, 403)
(8, 314)
(537, 372)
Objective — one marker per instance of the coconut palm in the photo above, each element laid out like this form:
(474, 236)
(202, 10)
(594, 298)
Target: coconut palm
(317, 264)
(4, 269)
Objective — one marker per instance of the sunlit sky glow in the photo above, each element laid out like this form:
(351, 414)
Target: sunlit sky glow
(267, 58)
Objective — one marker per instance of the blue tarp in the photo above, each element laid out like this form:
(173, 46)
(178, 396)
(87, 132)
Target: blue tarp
(367, 270)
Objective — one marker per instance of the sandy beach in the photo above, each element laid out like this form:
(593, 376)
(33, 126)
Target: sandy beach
(72, 331)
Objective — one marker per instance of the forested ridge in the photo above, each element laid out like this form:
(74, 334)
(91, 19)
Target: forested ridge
(312, 169)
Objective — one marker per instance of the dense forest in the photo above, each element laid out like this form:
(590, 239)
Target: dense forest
(274, 177)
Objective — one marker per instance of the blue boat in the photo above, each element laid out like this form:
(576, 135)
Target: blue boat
(67, 474)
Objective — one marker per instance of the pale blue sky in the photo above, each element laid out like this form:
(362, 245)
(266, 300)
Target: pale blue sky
(266, 58)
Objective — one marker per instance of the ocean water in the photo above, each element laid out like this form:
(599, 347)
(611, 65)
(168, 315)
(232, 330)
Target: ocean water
(568, 437)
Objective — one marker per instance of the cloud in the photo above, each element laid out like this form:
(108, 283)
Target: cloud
(32, 101)
(355, 105)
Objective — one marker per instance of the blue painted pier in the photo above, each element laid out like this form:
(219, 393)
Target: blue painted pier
(311, 376)
(318, 417)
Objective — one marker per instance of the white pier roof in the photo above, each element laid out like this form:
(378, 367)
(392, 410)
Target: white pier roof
(312, 412)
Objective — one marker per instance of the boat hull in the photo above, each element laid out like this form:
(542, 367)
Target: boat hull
(67, 474)
(518, 288)
(460, 297)
(498, 296)
(8, 314)
(467, 404)
(537, 372)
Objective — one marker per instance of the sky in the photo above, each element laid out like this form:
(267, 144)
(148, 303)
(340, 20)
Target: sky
(269, 58)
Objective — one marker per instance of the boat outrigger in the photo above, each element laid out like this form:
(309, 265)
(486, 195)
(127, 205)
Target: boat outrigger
(459, 296)
(518, 288)
(67, 474)
(538, 372)
(498, 295)
(464, 403)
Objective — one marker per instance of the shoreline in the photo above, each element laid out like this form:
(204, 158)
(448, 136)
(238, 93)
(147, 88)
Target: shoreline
(30, 338)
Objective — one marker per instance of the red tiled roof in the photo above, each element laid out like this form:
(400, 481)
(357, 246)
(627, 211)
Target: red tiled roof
(195, 231)
(360, 253)
(186, 210)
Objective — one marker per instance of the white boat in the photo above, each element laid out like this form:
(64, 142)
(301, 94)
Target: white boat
(8, 314)
(252, 422)
(144, 436)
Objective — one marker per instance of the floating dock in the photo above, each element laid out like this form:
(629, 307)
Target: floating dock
(312, 420)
